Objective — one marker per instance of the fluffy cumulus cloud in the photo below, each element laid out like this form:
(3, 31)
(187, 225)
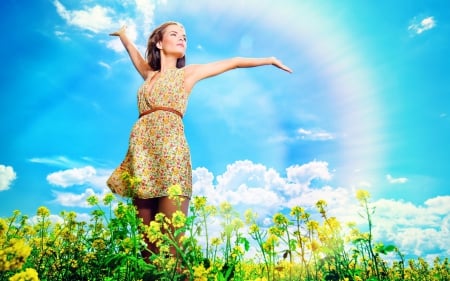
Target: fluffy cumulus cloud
(247, 185)
(95, 18)
(69, 199)
(417, 230)
(87, 175)
(93, 180)
(106, 18)
(76, 176)
(7, 176)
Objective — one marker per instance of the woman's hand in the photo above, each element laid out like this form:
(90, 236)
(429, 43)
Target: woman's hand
(276, 62)
(119, 32)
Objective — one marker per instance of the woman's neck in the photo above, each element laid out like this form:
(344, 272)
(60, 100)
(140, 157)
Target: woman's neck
(168, 63)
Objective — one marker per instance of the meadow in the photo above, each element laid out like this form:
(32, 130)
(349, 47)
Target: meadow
(110, 244)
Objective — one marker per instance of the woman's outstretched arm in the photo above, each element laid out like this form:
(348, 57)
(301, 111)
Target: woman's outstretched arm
(197, 72)
(139, 62)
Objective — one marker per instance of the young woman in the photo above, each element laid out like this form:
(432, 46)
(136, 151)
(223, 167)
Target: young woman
(158, 154)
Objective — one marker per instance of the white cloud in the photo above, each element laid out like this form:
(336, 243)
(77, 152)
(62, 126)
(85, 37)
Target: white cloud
(147, 10)
(95, 19)
(75, 176)
(247, 185)
(304, 174)
(7, 176)
(60, 161)
(414, 229)
(104, 64)
(68, 199)
(315, 135)
(420, 25)
(95, 179)
(393, 180)
(101, 19)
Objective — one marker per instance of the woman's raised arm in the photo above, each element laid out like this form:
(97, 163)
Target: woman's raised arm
(138, 60)
(197, 72)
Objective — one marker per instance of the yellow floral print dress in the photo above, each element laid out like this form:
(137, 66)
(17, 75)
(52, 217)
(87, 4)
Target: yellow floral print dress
(158, 154)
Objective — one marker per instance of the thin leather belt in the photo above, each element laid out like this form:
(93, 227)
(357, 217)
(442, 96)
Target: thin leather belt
(163, 108)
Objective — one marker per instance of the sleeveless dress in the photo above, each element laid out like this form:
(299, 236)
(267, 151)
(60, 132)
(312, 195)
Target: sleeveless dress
(158, 154)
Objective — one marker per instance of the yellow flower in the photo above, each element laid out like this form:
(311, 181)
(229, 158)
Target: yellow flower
(297, 211)
(312, 225)
(174, 191)
(13, 254)
(237, 251)
(315, 245)
(28, 275)
(225, 208)
(153, 231)
(178, 219)
(321, 204)
(159, 217)
(278, 231)
(362, 195)
(254, 228)
(92, 200)
(250, 216)
(43, 212)
(216, 241)
(210, 210)
(200, 273)
(108, 198)
(199, 202)
(3, 227)
(280, 219)
(237, 224)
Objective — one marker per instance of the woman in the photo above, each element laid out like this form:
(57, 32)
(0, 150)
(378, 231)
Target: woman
(158, 153)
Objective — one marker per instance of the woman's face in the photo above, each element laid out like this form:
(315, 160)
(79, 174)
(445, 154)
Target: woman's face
(174, 41)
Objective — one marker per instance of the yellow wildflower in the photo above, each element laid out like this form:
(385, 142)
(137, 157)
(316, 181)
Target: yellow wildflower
(200, 273)
(199, 202)
(225, 208)
(178, 219)
(174, 191)
(3, 227)
(250, 216)
(362, 195)
(43, 212)
(108, 198)
(92, 200)
(216, 241)
(28, 275)
(280, 219)
(154, 231)
(297, 211)
(254, 228)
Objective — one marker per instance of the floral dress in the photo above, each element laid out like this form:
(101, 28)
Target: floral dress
(158, 154)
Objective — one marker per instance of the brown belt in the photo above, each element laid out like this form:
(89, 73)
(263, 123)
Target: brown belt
(163, 108)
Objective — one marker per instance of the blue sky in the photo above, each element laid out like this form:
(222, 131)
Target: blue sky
(368, 106)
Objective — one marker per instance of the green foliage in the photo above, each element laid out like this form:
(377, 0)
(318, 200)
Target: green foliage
(110, 244)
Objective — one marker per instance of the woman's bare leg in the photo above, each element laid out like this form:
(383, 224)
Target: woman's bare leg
(147, 209)
(168, 207)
